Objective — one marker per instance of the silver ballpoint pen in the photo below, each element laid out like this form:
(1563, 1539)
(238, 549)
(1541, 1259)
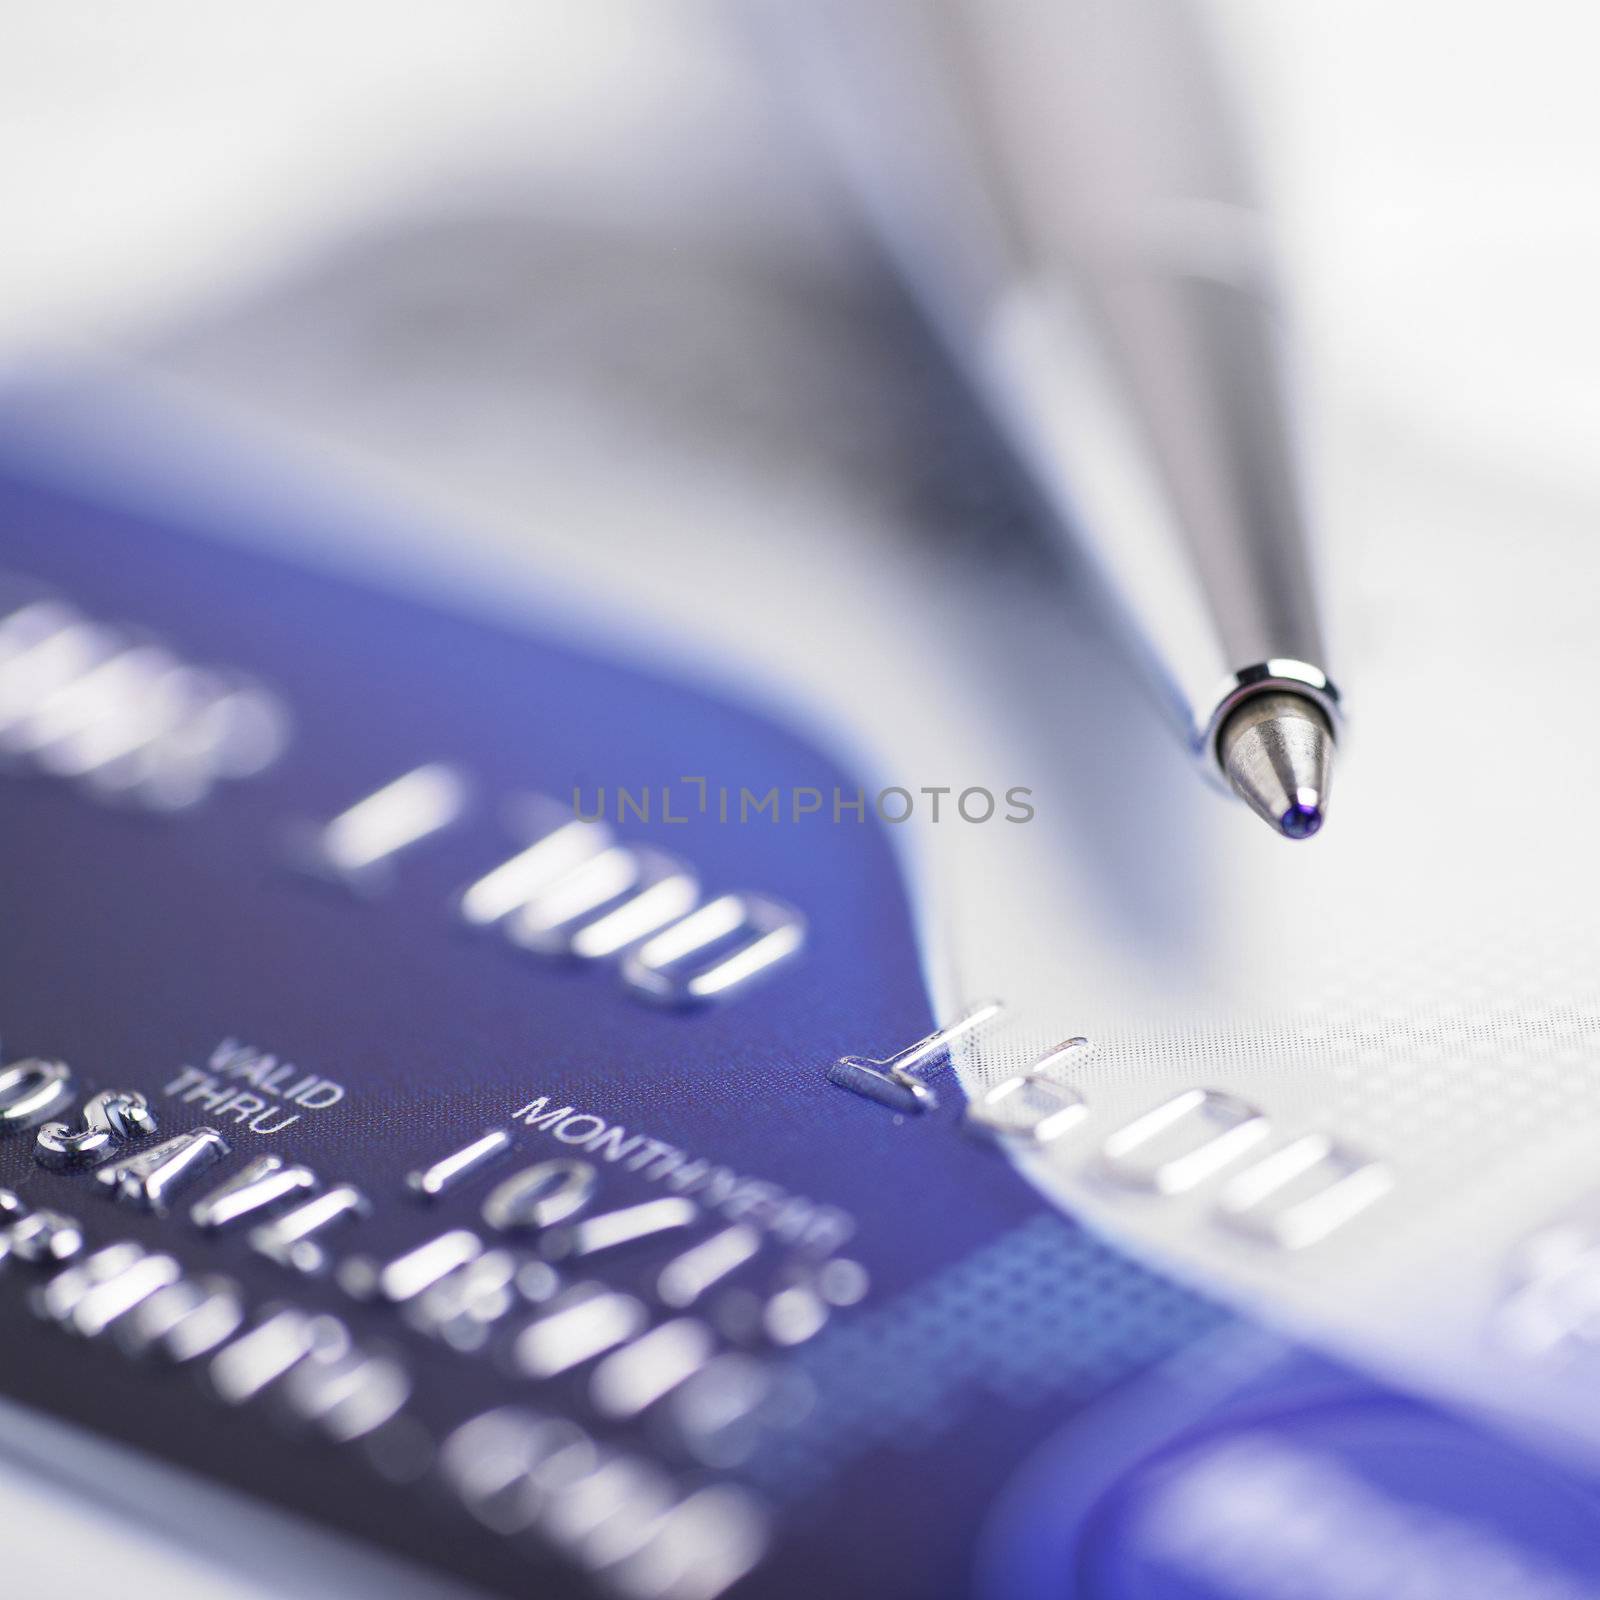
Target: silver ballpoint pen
(1060, 184)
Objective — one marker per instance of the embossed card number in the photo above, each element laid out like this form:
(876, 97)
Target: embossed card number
(573, 891)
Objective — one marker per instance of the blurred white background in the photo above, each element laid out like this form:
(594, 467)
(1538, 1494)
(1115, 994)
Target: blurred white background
(1435, 168)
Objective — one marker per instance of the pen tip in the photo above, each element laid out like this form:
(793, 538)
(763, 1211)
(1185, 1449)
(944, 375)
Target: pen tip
(1277, 750)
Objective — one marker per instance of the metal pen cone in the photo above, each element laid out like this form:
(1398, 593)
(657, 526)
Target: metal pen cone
(1277, 750)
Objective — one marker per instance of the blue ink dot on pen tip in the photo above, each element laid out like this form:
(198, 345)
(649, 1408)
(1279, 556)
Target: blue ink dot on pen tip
(1302, 819)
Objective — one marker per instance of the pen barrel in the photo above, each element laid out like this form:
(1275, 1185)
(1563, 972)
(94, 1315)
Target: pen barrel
(1061, 185)
(1194, 341)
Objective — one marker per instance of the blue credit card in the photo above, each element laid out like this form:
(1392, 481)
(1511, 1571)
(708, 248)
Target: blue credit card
(417, 1117)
